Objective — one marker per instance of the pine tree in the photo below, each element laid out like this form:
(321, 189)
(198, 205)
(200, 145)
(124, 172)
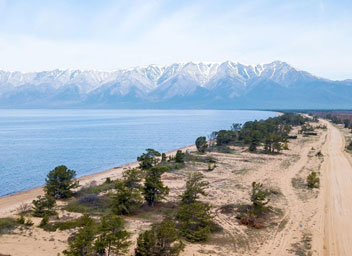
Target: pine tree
(112, 238)
(201, 144)
(194, 188)
(60, 182)
(44, 206)
(195, 221)
(259, 198)
(179, 158)
(148, 160)
(81, 243)
(154, 188)
(128, 192)
(161, 240)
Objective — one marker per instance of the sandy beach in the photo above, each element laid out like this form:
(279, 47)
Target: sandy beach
(9, 204)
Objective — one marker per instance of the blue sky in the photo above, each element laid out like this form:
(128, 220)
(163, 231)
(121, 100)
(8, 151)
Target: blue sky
(313, 35)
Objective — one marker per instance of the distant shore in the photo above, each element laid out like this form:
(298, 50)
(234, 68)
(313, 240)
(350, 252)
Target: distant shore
(10, 203)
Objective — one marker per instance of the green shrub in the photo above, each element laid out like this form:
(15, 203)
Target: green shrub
(179, 158)
(195, 186)
(195, 221)
(201, 144)
(44, 221)
(90, 204)
(71, 224)
(21, 219)
(259, 199)
(313, 180)
(126, 199)
(44, 206)
(95, 189)
(7, 225)
(162, 239)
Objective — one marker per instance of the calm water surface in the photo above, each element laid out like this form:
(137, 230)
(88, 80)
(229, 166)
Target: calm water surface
(33, 142)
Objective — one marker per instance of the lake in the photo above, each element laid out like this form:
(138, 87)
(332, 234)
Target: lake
(33, 142)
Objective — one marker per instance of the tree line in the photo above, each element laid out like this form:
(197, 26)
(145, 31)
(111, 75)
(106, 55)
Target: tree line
(271, 133)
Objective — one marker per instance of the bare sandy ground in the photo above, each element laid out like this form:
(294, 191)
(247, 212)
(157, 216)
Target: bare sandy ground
(338, 196)
(309, 222)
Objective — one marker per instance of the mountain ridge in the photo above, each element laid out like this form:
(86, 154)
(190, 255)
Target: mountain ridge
(179, 85)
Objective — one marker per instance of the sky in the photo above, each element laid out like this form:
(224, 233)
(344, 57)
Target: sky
(312, 35)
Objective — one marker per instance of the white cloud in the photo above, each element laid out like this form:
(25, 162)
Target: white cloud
(314, 35)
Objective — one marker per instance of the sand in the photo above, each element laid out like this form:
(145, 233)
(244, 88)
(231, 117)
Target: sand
(309, 222)
(10, 204)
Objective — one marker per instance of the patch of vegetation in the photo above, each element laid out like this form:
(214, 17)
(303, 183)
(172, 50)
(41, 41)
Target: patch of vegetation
(194, 219)
(128, 196)
(156, 213)
(298, 183)
(95, 189)
(60, 182)
(256, 214)
(313, 180)
(70, 224)
(90, 204)
(201, 144)
(161, 239)
(211, 167)
(149, 159)
(195, 187)
(154, 189)
(272, 133)
(179, 158)
(303, 248)
(104, 238)
(7, 225)
(44, 206)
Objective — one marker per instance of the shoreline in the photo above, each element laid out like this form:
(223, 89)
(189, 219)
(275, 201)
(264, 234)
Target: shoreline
(10, 203)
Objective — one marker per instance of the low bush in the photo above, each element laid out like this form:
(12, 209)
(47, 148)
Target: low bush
(44, 205)
(254, 215)
(7, 225)
(70, 224)
(95, 189)
(90, 204)
(313, 180)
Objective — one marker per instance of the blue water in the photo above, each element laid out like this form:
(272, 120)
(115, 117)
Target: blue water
(33, 142)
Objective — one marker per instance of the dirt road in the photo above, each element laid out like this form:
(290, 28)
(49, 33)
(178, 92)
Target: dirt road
(338, 196)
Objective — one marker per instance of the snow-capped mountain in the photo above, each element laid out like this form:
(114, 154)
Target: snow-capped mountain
(180, 85)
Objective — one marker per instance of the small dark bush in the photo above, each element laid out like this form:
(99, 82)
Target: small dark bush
(313, 180)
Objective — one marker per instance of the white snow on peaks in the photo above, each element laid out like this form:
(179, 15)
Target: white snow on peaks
(181, 77)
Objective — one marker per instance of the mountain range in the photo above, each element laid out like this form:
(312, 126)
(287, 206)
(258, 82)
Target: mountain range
(226, 85)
